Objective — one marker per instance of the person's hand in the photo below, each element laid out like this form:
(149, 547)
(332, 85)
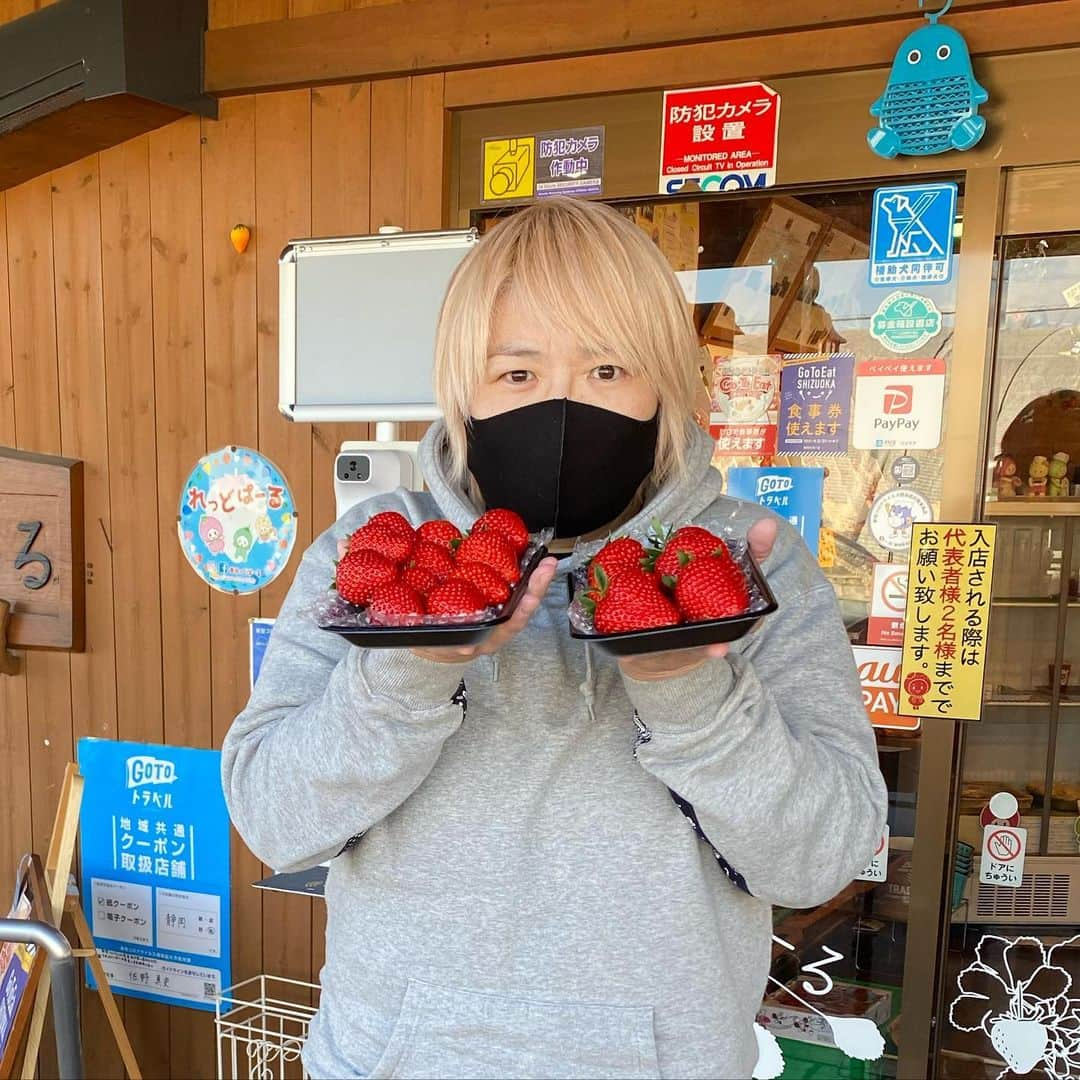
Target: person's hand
(667, 665)
(534, 594)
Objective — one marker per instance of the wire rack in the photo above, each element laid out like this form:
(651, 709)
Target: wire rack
(262, 1024)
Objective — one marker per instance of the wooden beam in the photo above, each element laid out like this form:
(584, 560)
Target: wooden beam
(442, 35)
(1027, 27)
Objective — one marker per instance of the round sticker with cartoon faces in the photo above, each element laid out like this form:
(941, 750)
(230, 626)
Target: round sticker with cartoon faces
(236, 522)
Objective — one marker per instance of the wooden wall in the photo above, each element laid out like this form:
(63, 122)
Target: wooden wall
(134, 337)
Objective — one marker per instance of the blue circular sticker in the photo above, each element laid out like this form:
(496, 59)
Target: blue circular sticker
(237, 524)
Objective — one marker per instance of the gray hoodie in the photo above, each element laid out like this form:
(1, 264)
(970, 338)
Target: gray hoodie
(527, 899)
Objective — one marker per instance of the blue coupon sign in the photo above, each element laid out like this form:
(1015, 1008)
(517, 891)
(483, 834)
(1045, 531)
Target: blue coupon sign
(154, 833)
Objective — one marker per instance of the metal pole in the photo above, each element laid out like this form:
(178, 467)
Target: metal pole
(64, 988)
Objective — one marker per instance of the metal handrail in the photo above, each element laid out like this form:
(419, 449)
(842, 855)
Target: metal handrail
(65, 988)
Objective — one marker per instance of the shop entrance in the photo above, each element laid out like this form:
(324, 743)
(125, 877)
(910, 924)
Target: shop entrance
(775, 282)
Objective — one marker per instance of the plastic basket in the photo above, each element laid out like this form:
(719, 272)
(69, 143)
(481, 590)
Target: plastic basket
(262, 1025)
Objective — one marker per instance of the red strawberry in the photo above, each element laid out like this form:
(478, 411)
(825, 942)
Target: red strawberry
(615, 556)
(433, 558)
(360, 573)
(491, 585)
(440, 532)
(396, 605)
(456, 598)
(416, 577)
(508, 525)
(687, 544)
(492, 550)
(391, 519)
(711, 589)
(397, 546)
(633, 601)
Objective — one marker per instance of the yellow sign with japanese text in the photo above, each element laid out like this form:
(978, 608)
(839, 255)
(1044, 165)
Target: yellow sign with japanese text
(948, 612)
(509, 168)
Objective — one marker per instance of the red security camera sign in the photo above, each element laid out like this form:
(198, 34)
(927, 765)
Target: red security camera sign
(722, 137)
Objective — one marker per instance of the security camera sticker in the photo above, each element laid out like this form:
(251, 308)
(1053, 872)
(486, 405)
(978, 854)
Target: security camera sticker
(236, 522)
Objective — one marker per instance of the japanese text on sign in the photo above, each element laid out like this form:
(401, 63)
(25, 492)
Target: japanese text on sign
(155, 863)
(721, 137)
(1003, 850)
(815, 404)
(948, 607)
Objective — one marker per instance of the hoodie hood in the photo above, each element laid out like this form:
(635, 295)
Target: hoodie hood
(679, 500)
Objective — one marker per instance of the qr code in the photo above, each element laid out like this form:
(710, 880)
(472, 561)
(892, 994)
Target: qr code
(209, 990)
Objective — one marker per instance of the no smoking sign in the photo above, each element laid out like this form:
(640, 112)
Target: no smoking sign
(1004, 847)
(887, 604)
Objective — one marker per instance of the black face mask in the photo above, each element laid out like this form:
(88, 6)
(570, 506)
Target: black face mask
(562, 464)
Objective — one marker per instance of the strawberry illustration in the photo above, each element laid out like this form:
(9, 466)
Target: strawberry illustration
(632, 601)
(624, 553)
(491, 549)
(441, 532)
(711, 589)
(456, 598)
(416, 577)
(360, 573)
(397, 546)
(391, 519)
(396, 605)
(686, 544)
(508, 525)
(494, 589)
(433, 558)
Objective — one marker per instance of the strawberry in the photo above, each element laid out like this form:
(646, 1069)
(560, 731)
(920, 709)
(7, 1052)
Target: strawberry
(360, 573)
(494, 589)
(433, 558)
(687, 544)
(391, 519)
(615, 556)
(508, 525)
(396, 605)
(633, 601)
(456, 598)
(395, 545)
(711, 589)
(492, 550)
(416, 577)
(440, 532)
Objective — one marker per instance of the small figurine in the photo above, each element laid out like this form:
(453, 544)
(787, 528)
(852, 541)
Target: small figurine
(1058, 483)
(1037, 474)
(1005, 479)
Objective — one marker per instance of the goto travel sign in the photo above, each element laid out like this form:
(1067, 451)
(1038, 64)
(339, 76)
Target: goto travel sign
(721, 137)
(155, 869)
(948, 607)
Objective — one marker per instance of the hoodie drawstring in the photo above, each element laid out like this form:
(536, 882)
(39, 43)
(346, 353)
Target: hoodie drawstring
(588, 687)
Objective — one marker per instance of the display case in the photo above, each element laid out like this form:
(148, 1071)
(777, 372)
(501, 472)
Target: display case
(1010, 1001)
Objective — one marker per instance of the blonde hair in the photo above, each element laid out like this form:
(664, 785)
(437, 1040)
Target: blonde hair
(584, 269)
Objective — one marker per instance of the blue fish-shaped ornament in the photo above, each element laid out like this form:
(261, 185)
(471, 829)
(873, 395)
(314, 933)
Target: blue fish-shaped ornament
(931, 101)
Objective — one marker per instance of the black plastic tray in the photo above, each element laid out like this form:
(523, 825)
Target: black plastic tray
(418, 637)
(686, 635)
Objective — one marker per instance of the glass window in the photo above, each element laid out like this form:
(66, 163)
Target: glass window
(1011, 1003)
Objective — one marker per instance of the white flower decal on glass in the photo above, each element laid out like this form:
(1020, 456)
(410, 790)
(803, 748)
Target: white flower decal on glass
(1018, 996)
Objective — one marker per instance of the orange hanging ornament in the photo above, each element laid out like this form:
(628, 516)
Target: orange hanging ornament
(240, 235)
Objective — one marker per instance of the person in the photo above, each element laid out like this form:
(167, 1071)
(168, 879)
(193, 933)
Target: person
(515, 888)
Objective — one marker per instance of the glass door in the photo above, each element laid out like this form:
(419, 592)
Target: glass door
(1011, 994)
(779, 283)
